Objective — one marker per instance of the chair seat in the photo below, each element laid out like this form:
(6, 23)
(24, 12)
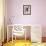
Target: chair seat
(18, 33)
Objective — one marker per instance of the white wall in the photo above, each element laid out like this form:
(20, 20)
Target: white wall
(38, 12)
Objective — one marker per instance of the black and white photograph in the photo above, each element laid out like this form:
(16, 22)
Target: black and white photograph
(27, 9)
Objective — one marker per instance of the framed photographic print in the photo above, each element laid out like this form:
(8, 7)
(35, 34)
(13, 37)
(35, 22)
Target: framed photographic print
(26, 9)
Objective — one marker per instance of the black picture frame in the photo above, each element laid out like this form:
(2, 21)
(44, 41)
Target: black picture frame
(26, 9)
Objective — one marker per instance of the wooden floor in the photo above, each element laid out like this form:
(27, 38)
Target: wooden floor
(23, 43)
(18, 43)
